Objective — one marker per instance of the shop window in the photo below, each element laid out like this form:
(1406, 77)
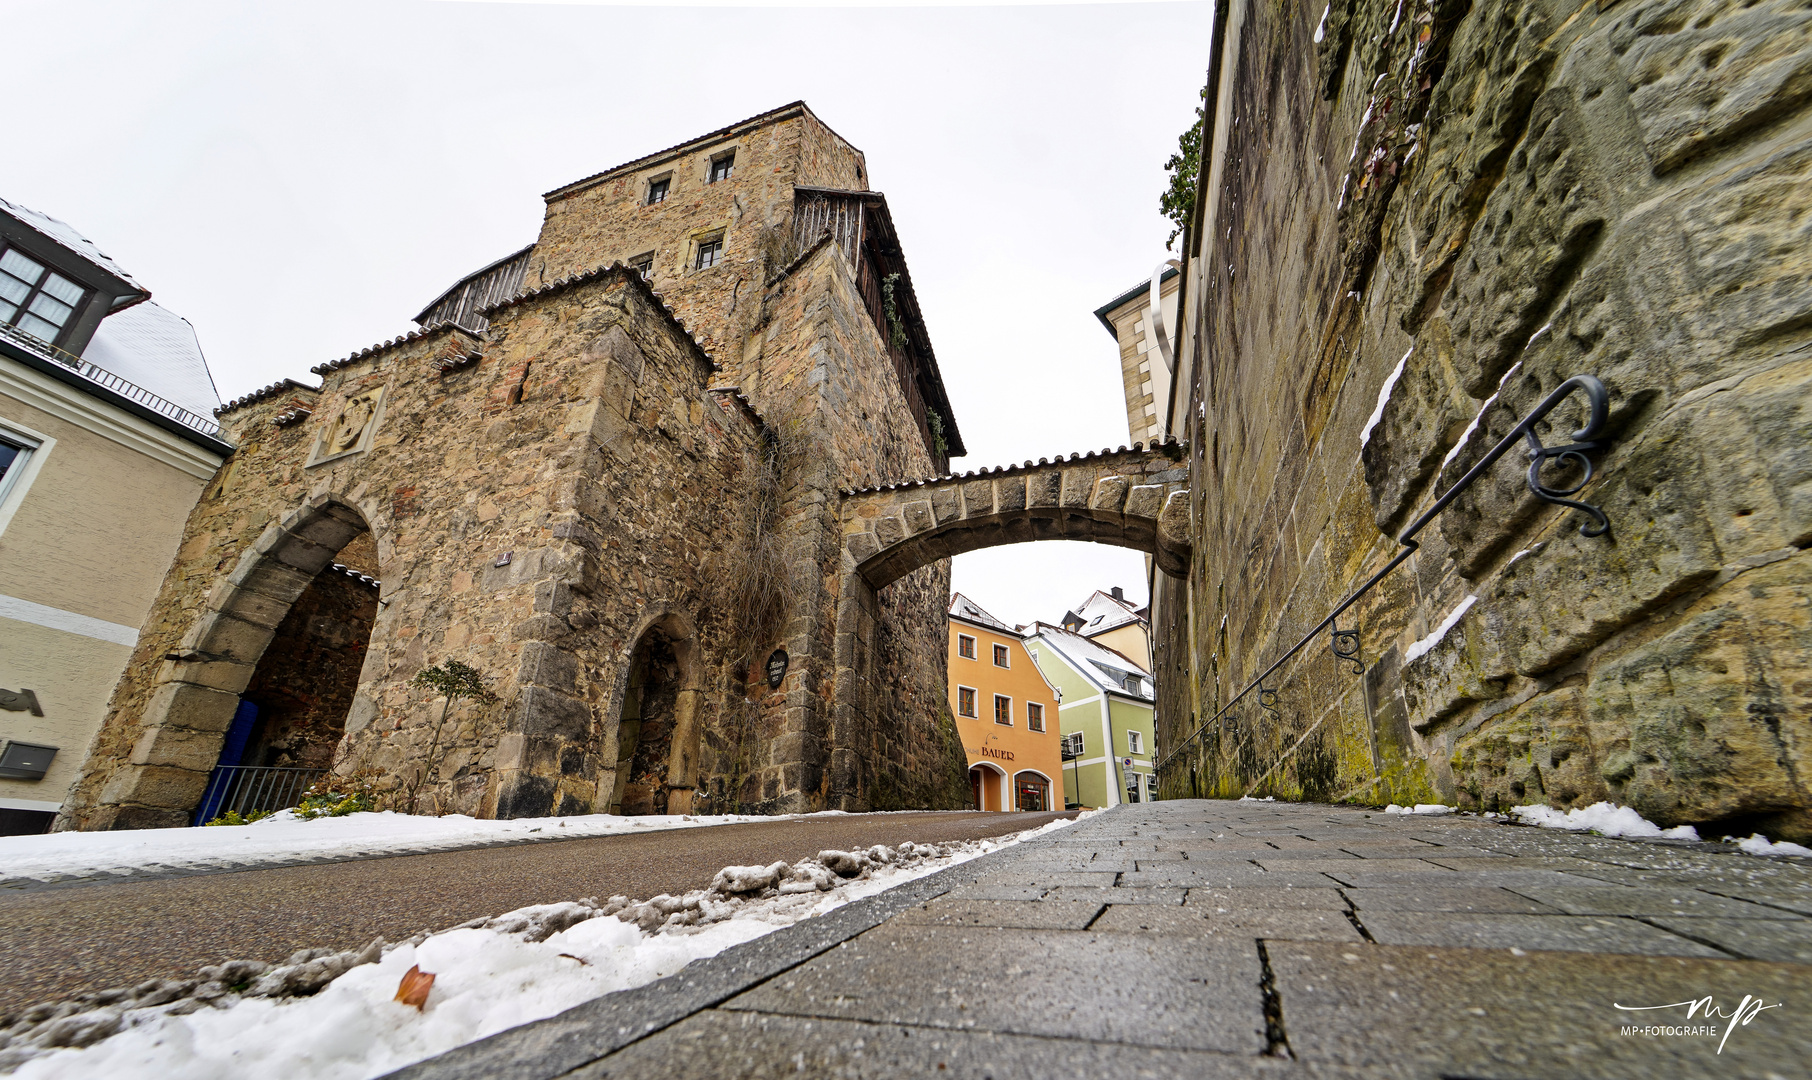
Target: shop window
(1151, 787)
(1032, 792)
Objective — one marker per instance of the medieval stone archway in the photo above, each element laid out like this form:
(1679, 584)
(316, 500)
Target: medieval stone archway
(200, 684)
(658, 726)
(1136, 498)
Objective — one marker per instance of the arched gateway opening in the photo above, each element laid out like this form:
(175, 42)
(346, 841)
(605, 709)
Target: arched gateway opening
(253, 704)
(658, 726)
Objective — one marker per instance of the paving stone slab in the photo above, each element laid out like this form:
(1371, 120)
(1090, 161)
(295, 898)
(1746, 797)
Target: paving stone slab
(1049, 879)
(1362, 878)
(1566, 933)
(1239, 922)
(1756, 939)
(1492, 1015)
(1310, 899)
(1150, 894)
(999, 892)
(1640, 901)
(733, 1045)
(1428, 852)
(1184, 993)
(1355, 865)
(1024, 914)
(1502, 901)
(1207, 875)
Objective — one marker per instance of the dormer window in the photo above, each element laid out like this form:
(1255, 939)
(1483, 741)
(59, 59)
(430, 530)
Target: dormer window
(721, 167)
(34, 298)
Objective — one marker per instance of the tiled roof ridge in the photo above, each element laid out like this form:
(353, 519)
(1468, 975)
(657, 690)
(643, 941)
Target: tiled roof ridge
(635, 279)
(264, 393)
(728, 129)
(384, 346)
(1011, 470)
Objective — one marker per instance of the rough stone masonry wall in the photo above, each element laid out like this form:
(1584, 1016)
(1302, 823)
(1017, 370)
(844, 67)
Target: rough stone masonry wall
(611, 220)
(870, 728)
(1497, 196)
(581, 444)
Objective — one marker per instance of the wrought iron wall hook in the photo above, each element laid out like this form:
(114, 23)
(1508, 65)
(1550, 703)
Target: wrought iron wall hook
(1584, 440)
(1345, 645)
(1267, 700)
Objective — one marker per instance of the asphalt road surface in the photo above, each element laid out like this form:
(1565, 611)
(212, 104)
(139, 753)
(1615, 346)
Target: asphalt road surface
(61, 940)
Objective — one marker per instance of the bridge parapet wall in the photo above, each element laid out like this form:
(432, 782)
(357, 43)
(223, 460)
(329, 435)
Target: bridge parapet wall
(1131, 497)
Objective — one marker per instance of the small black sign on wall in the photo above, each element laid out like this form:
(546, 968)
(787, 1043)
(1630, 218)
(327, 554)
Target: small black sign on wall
(777, 663)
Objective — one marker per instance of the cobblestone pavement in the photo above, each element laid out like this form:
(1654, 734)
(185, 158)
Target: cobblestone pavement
(1210, 939)
(63, 939)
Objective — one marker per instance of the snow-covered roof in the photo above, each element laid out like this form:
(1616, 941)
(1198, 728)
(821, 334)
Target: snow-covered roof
(1101, 613)
(1105, 667)
(65, 234)
(155, 348)
(961, 607)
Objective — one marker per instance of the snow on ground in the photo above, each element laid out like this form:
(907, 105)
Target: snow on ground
(1757, 844)
(489, 975)
(1419, 808)
(284, 838)
(1606, 818)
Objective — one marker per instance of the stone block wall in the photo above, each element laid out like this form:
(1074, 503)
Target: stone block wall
(1417, 220)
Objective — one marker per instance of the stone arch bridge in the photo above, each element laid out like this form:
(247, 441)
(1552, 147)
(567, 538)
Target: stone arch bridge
(1136, 498)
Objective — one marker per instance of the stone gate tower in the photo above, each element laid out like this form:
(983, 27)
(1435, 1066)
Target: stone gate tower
(607, 473)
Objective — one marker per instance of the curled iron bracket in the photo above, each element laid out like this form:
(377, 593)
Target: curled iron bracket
(1267, 700)
(1345, 646)
(1584, 439)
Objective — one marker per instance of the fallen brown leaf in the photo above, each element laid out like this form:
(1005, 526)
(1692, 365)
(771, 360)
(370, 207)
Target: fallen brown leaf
(413, 990)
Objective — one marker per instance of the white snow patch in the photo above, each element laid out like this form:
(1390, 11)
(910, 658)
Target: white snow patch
(1429, 642)
(487, 979)
(1267, 798)
(284, 838)
(1419, 808)
(1526, 551)
(1322, 29)
(1365, 433)
(1757, 844)
(1606, 818)
(1396, 20)
(1466, 436)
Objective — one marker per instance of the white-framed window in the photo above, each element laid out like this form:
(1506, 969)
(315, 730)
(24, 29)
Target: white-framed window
(1151, 787)
(1135, 742)
(1072, 745)
(965, 701)
(15, 451)
(1133, 787)
(1003, 710)
(965, 646)
(1034, 716)
(1002, 658)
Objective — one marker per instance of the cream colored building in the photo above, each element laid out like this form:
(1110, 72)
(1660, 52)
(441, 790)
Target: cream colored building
(1144, 372)
(106, 442)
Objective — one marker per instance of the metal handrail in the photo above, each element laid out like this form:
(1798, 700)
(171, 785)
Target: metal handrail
(242, 789)
(1344, 643)
(102, 377)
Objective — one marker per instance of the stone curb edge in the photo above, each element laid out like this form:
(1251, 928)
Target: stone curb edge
(584, 1033)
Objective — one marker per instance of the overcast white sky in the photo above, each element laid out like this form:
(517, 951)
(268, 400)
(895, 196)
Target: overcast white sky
(298, 180)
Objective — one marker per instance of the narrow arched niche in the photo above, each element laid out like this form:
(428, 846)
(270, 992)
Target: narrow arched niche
(658, 725)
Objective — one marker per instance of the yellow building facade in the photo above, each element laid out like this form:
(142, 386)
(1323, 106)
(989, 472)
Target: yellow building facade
(1006, 712)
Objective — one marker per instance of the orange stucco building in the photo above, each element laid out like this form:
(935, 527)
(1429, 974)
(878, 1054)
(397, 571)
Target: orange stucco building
(1006, 712)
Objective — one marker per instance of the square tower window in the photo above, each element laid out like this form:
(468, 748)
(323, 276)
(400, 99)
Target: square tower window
(1000, 656)
(709, 253)
(643, 264)
(37, 300)
(721, 167)
(657, 190)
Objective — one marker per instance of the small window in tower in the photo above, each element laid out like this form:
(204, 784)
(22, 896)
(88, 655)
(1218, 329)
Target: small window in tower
(709, 253)
(1000, 656)
(657, 190)
(721, 167)
(643, 264)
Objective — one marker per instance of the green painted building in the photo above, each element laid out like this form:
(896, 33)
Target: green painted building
(1105, 716)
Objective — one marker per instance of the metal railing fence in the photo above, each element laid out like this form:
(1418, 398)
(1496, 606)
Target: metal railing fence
(102, 377)
(242, 789)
